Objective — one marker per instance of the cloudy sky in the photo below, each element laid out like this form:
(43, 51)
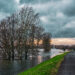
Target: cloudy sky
(57, 16)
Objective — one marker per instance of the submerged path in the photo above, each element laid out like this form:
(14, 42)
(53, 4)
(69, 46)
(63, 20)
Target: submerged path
(68, 65)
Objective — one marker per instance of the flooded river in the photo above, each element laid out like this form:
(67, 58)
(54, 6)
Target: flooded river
(17, 66)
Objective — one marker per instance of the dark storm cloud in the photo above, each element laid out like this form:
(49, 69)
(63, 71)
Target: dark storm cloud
(57, 16)
(66, 33)
(69, 10)
(36, 1)
(33, 1)
(7, 6)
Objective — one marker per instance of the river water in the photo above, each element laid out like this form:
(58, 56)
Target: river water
(17, 66)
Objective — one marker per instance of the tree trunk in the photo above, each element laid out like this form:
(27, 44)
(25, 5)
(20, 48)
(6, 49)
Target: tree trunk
(26, 55)
(12, 51)
(9, 56)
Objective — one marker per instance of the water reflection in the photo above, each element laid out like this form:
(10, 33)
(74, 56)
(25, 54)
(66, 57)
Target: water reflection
(13, 68)
(39, 59)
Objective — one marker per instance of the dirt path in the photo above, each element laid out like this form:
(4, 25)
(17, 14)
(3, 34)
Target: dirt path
(68, 65)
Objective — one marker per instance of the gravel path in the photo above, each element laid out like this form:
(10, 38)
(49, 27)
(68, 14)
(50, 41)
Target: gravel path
(68, 65)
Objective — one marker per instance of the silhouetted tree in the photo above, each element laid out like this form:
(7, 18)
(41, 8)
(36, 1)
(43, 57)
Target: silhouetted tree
(39, 34)
(46, 41)
(19, 32)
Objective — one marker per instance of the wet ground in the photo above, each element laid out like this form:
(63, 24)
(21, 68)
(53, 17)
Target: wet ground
(68, 65)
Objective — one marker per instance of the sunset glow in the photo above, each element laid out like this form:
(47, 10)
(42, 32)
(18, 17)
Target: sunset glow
(60, 41)
(63, 41)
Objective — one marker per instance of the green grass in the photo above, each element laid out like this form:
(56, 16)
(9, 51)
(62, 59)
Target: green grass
(49, 67)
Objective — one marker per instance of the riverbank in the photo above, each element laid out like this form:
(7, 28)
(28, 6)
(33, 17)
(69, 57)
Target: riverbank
(49, 67)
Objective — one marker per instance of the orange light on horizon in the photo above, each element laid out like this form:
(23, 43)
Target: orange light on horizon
(60, 41)
(63, 41)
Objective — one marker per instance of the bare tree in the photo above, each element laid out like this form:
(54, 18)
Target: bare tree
(39, 34)
(5, 39)
(22, 27)
(46, 41)
(29, 20)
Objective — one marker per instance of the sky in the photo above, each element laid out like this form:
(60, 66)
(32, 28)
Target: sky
(60, 41)
(57, 16)
(63, 41)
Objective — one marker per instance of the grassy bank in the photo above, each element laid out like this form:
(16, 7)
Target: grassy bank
(49, 67)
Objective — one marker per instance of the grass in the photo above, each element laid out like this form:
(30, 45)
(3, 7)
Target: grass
(49, 67)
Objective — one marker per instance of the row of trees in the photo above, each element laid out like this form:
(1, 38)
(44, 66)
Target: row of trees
(18, 33)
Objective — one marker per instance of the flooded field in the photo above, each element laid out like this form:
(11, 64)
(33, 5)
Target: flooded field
(17, 66)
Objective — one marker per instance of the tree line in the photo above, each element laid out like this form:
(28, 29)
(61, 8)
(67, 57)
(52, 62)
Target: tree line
(19, 32)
